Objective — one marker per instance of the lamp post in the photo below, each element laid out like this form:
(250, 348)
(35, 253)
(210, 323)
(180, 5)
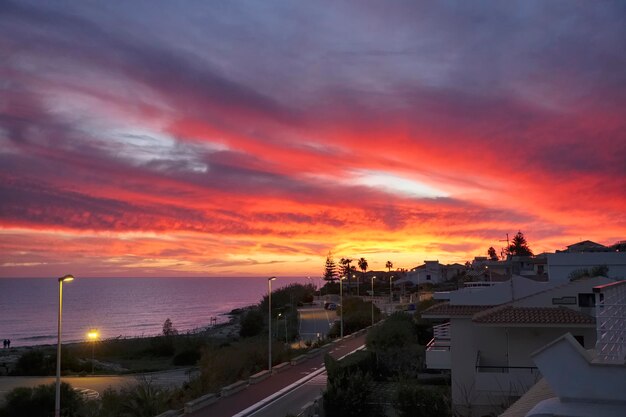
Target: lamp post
(57, 396)
(373, 300)
(269, 321)
(93, 336)
(341, 297)
(357, 284)
(279, 316)
(390, 290)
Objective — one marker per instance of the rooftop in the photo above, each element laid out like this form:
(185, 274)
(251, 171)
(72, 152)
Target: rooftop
(533, 315)
(451, 310)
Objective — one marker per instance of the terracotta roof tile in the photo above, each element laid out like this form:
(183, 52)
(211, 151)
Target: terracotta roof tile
(454, 310)
(533, 315)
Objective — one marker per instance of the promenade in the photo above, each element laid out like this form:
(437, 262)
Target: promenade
(253, 394)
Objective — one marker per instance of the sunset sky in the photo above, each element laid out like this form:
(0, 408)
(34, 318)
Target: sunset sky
(250, 138)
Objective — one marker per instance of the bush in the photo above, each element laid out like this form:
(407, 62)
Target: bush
(395, 344)
(357, 315)
(34, 363)
(350, 394)
(188, 357)
(39, 402)
(251, 323)
(161, 346)
(416, 401)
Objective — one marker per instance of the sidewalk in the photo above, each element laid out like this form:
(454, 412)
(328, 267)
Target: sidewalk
(227, 407)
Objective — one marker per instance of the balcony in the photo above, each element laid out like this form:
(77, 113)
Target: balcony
(510, 381)
(438, 349)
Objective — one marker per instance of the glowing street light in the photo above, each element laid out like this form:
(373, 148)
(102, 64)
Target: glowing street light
(357, 284)
(269, 321)
(93, 336)
(57, 396)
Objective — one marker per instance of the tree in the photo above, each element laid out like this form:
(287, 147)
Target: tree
(418, 401)
(389, 265)
(251, 323)
(330, 269)
(38, 401)
(492, 254)
(363, 266)
(168, 328)
(346, 269)
(519, 246)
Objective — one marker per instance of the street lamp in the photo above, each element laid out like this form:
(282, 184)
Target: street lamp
(390, 290)
(57, 397)
(93, 336)
(373, 300)
(269, 321)
(357, 284)
(341, 296)
(279, 316)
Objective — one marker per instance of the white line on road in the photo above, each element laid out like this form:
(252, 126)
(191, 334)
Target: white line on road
(269, 400)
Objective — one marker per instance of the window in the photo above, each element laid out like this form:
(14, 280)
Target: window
(586, 300)
(428, 277)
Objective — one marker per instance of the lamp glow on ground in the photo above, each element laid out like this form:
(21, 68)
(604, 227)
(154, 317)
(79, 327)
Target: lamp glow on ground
(93, 336)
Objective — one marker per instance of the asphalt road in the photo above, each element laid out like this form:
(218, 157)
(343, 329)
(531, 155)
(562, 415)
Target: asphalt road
(294, 400)
(315, 322)
(254, 394)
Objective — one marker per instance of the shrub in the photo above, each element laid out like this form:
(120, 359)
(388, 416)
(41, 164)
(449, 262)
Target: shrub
(416, 401)
(34, 363)
(187, 357)
(39, 402)
(251, 323)
(350, 394)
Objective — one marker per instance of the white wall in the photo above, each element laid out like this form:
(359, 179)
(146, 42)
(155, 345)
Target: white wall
(562, 264)
(499, 293)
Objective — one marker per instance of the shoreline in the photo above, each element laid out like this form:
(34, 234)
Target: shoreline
(225, 330)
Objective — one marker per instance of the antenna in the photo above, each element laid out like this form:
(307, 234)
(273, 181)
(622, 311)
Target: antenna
(508, 245)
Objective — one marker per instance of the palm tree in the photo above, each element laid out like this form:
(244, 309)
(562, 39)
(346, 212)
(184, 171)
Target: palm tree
(389, 265)
(346, 270)
(363, 265)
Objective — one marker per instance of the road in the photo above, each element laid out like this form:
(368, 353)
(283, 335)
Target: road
(97, 383)
(253, 395)
(293, 402)
(315, 322)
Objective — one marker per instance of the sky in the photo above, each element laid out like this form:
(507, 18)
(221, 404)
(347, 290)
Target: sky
(241, 138)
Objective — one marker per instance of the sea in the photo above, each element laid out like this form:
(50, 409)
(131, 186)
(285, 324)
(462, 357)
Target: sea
(121, 307)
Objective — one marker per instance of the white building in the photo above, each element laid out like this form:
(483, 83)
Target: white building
(431, 272)
(579, 382)
(492, 330)
(562, 264)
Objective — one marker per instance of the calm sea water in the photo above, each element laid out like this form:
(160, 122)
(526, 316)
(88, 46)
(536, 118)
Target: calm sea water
(120, 306)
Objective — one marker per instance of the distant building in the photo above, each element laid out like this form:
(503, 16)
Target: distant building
(561, 265)
(431, 272)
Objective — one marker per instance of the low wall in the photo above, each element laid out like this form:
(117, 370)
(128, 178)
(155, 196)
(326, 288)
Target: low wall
(280, 367)
(298, 359)
(233, 388)
(258, 377)
(198, 403)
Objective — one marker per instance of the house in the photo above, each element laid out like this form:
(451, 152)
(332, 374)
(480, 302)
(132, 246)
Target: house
(580, 382)
(431, 272)
(491, 331)
(561, 265)
(586, 246)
